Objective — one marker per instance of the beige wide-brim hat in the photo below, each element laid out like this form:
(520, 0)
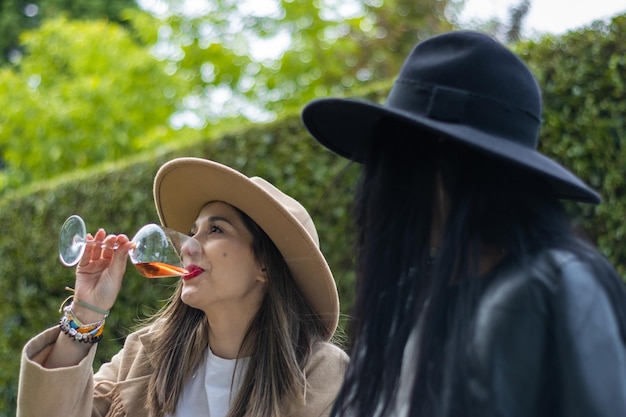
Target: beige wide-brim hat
(183, 186)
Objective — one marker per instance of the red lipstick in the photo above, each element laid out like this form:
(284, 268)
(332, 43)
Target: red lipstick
(194, 271)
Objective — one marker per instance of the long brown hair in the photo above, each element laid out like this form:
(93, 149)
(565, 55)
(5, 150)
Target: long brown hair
(280, 338)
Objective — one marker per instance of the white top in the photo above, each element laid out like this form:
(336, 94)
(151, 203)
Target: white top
(208, 393)
(407, 373)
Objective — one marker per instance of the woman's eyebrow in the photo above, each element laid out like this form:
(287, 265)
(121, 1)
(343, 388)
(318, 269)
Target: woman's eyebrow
(211, 219)
(218, 219)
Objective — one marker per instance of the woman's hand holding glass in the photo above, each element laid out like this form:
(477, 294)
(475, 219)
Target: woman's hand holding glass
(99, 273)
(101, 259)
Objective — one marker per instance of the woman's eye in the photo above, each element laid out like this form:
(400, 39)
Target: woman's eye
(214, 229)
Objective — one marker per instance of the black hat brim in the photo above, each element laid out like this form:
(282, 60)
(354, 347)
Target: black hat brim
(347, 127)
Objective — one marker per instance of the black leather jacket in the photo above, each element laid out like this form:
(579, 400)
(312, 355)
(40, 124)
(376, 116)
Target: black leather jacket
(546, 343)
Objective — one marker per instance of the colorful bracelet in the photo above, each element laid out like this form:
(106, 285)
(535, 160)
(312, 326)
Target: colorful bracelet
(74, 328)
(86, 333)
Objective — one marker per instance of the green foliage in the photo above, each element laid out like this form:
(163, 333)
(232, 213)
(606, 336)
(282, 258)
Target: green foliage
(583, 77)
(90, 91)
(324, 50)
(17, 16)
(85, 92)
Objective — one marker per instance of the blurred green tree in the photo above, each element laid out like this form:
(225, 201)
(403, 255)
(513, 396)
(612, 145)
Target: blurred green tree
(262, 58)
(84, 92)
(17, 16)
(91, 90)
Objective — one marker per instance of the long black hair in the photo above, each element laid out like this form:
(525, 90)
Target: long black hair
(492, 206)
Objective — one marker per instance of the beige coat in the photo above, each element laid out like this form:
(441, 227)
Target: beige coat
(119, 387)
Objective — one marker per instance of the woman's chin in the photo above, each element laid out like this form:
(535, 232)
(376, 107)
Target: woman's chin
(190, 298)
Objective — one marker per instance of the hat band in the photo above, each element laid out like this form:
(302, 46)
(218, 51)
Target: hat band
(463, 107)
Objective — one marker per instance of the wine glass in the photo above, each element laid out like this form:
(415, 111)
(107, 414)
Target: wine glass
(156, 253)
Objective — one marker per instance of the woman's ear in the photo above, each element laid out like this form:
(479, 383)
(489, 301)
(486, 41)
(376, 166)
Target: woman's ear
(262, 276)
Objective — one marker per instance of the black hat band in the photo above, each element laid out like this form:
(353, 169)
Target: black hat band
(459, 106)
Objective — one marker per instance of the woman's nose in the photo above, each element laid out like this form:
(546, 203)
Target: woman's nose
(191, 248)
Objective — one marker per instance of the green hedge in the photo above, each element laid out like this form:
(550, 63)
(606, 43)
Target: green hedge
(582, 74)
(583, 77)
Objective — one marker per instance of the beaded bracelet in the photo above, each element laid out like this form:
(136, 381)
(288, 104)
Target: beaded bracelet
(86, 333)
(74, 328)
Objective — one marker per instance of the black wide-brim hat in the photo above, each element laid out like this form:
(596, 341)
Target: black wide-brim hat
(461, 85)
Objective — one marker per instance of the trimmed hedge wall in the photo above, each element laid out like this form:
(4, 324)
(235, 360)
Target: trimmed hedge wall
(583, 77)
